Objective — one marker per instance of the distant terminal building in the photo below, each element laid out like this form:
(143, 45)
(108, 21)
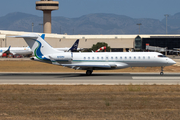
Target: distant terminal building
(116, 42)
(169, 41)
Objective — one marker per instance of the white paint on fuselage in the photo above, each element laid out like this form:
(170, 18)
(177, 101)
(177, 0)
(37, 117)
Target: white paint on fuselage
(133, 59)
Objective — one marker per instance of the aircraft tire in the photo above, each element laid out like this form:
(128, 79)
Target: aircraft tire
(88, 72)
(161, 73)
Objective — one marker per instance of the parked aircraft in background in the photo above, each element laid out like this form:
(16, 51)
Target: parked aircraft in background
(4, 51)
(90, 61)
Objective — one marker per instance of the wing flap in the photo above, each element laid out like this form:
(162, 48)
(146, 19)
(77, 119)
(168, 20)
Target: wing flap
(97, 65)
(87, 65)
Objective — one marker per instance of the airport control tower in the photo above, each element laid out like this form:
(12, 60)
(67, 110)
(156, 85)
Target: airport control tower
(47, 6)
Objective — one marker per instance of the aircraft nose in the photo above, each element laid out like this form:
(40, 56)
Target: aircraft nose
(171, 62)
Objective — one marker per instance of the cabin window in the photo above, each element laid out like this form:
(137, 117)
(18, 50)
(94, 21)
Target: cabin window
(106, 58)
(84, 58)
(148, 57)
(116, 58)
(111, 58)
(134, 57)
(93, 58)
(139, 57)
(98, 58)
(161, 56)
(120, 57)
(89, 58)
(129, 57)
(102, 58)
(143, 57)
(125, 57)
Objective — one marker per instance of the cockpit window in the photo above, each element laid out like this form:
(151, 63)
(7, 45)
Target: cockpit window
(161, 56)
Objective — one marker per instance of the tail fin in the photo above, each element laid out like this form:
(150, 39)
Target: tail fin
(39, 46)
(8, 50)
(75, 46)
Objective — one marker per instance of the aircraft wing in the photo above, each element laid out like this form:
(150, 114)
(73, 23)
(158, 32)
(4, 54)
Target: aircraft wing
(87, 65)
(102, 65)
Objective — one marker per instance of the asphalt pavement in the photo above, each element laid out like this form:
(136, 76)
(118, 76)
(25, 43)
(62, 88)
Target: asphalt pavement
(94, 79)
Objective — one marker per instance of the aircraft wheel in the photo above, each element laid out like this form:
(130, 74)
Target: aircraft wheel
(161, 73)
(88, 72)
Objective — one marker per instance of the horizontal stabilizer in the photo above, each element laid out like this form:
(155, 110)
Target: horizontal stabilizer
(26, 36)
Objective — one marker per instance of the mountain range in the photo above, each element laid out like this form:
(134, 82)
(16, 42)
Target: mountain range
(98, 23)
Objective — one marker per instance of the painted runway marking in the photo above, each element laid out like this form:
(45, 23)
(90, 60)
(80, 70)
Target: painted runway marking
(156, 78)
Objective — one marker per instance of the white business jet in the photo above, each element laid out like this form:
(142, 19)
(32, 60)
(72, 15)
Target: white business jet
(90, 61)
(15, 50)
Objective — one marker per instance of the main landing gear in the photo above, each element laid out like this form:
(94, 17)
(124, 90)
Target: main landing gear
(89, 72)
(161, 73)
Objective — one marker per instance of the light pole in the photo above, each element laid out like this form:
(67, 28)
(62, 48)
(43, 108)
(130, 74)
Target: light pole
(139, 27)
(60, 29)
(32, 26)
(41, 27)
(166, 15)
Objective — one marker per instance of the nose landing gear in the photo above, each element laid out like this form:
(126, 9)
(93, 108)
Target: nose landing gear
(162, 73)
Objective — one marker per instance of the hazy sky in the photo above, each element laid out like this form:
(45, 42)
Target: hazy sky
(76, 8)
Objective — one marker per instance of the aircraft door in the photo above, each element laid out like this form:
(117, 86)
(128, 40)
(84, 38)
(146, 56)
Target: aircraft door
(71, 55)
(107, 58)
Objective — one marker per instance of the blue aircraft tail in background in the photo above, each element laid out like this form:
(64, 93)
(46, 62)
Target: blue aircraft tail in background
(75, 46)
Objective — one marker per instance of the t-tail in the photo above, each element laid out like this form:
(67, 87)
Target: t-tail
(75, 46)
(41, 49)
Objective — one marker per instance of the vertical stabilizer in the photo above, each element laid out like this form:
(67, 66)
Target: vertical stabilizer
(39, 46)
(75, 46)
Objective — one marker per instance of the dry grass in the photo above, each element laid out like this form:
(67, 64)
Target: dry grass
(28, 102)
(33, 66)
